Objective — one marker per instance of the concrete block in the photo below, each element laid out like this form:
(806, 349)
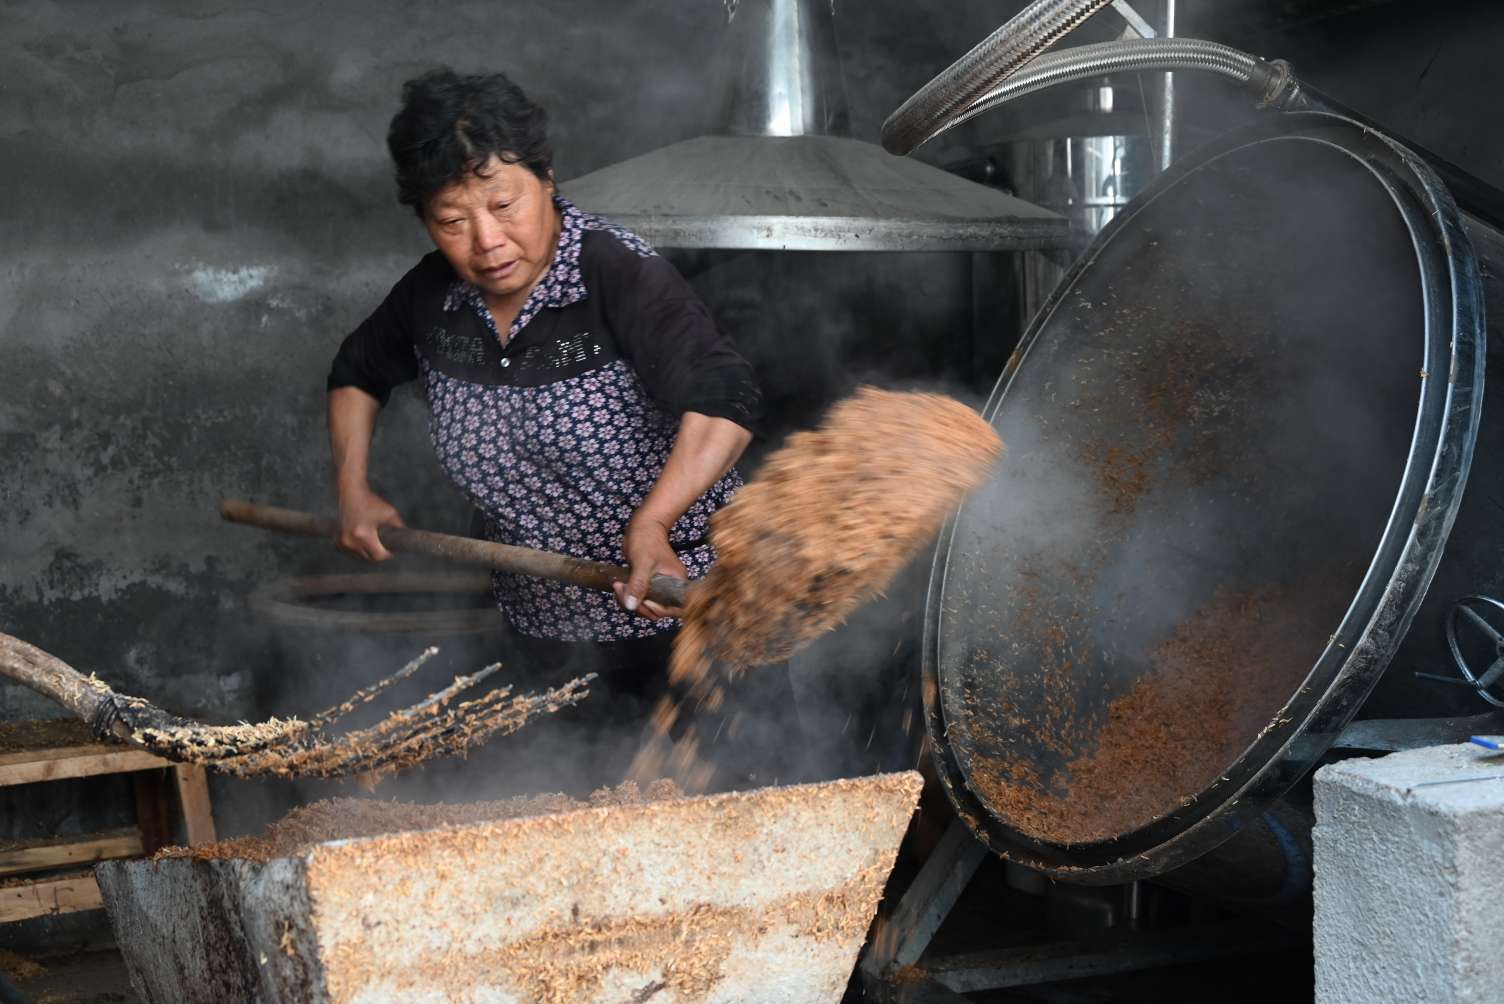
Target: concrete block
(1409, 853)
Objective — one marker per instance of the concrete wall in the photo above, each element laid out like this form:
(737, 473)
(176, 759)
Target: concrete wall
(198, 209)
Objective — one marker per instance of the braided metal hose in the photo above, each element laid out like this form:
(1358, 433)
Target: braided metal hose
(1030, 32)
(1270, 80)
(1007, 65)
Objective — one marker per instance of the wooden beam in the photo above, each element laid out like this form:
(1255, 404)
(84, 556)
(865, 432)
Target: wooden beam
(32, 766)
(151, 810)
(60, 852)
(193, 796)
(927, 901)
(64, 894)
(925, 992)
(1113, 953)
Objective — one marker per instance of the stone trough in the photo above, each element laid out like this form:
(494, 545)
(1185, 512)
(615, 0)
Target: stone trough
(762, 896)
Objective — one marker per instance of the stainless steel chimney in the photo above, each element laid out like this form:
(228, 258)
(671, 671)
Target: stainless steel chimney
(782, 173)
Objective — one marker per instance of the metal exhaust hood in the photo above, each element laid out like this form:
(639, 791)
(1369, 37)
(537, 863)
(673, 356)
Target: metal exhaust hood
(781, 173)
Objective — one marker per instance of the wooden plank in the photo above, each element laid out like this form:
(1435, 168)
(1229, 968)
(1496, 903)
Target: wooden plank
(912, 988)
(61, 852)
(927, 992)
(193, 797)
(33, 766)
(45, 734)
(43, 754)
(151, 810)
(64, 894)
(927, 901)
(1032, 965)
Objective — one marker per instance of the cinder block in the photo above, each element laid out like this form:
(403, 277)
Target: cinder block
(1409, 853)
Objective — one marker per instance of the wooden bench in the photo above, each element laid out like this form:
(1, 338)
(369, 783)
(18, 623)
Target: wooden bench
(63, 880)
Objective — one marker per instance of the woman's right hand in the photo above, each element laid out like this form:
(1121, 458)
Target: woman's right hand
(361, 511)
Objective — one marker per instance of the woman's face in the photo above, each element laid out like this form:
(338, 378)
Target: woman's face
(497, 227)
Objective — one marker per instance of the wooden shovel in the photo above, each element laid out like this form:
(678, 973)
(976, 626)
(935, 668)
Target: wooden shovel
(663, 589)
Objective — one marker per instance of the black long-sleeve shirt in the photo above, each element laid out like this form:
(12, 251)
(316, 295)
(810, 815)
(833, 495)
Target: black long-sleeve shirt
(559, 434)
(612, 298)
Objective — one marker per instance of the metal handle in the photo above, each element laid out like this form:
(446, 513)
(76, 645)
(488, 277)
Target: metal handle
(664, 589)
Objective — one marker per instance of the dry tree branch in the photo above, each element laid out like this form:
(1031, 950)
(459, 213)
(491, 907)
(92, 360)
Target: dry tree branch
(292, 747)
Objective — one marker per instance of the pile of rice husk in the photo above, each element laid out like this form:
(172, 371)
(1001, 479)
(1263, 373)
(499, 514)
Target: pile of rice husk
(296, 833)
(830, 519)
(828, 522)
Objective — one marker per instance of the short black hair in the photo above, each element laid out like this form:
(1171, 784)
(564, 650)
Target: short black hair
(451, 125)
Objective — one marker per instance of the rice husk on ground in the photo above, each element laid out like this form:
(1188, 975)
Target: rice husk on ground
(296, 833)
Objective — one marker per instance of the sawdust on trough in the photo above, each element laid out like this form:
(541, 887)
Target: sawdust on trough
(665, 945)
(684, 951)
(296, 833)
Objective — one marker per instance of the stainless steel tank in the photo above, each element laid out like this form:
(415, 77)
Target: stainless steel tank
(1086, 165)
(1249, 474)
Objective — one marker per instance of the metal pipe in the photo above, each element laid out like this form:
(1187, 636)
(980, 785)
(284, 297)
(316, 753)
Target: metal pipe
(1133, 895)
(1135, 20)
(1270, 81)
(1167, 105)
(1030, 32)
(1007, 64)
(781, 72)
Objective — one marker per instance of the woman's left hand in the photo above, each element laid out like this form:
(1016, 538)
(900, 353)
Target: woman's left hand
(648, 554)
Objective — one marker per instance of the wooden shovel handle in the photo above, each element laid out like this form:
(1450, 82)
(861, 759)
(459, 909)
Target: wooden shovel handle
(662, 589)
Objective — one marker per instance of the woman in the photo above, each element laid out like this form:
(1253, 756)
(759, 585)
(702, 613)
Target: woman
(579, 393)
